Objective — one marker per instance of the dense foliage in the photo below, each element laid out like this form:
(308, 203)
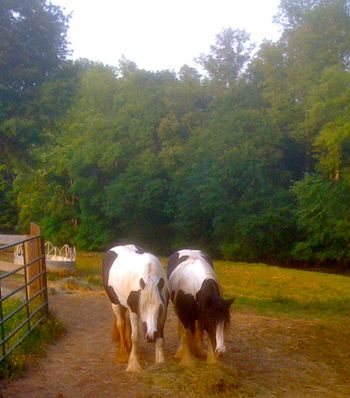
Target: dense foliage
(250, 161)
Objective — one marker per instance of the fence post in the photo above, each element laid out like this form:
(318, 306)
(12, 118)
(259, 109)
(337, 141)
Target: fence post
(2, 334)
(43, 278)
(33, 251)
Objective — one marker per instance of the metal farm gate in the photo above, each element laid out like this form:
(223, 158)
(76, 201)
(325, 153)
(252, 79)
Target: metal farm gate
(23, 289)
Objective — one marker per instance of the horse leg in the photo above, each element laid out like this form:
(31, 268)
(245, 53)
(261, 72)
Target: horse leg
(211, 358)
(119, 332)
(127, 331)
(160, 340)
(133, 364)
(159, 350)
(187, 342)
(115, 332)
(198, 342)
(180, 329)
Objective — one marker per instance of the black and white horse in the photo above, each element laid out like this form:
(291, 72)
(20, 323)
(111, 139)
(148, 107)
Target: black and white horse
(198, 303)
(138, 289)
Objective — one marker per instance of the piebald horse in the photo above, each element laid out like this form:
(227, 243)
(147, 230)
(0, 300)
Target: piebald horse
(196, 294)
(137, 287)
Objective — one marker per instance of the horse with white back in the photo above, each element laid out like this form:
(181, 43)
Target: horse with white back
(198, 303)
(137, 287)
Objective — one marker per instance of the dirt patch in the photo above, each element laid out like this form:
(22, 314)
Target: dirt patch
(266, 357)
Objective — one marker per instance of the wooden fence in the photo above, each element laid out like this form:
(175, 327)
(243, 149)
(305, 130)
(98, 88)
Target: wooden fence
(23, 290)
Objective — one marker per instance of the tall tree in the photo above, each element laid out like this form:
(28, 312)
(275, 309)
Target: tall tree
(33, 46)
(292, 13)
(227, 57)
(329, 116)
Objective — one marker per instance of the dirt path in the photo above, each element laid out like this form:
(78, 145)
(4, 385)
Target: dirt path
(269, 358)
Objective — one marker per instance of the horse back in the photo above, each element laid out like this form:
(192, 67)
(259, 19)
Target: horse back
(125, 268)
(188, 269)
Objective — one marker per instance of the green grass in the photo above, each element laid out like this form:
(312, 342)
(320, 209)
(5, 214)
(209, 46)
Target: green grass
(89, 263)
(33, 345)
(88, 266)
(280, 291)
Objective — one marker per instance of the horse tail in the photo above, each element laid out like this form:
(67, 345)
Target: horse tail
(115, 332)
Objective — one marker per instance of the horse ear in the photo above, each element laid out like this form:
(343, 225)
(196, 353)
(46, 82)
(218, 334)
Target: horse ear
(161, 284)
(142, 283)
(229, 302)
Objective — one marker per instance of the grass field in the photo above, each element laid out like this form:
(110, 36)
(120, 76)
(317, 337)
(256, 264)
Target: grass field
(280, 291)
(266, 289)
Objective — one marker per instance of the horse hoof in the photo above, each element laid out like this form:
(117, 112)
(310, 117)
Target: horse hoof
(160, 359)
(187, 362)
(134, 368)
(201, 355)
(178, 354)
(211, 360)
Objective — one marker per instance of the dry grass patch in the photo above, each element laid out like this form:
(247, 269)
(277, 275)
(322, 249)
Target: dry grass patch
(173, 380)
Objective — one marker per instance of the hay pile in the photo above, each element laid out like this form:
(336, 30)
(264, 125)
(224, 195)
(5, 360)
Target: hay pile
(173, 380)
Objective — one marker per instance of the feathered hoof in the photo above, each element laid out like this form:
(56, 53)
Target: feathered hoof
(179, 353)
(134, 368)
(201, 354)
(187, 361)
(212, 359)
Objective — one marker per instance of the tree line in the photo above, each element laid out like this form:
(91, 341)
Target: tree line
(249, 160)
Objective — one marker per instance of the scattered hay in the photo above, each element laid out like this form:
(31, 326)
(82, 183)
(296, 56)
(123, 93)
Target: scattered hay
(171, 379)
(58, 275)
(67, 285)
(72, 283)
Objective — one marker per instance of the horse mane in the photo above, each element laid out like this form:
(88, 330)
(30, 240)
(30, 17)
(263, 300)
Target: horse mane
(151, 280)
(210, 303)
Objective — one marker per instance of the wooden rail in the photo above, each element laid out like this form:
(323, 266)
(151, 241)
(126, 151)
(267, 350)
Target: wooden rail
(11, 239)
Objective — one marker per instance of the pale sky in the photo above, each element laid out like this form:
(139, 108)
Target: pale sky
(161, 34)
